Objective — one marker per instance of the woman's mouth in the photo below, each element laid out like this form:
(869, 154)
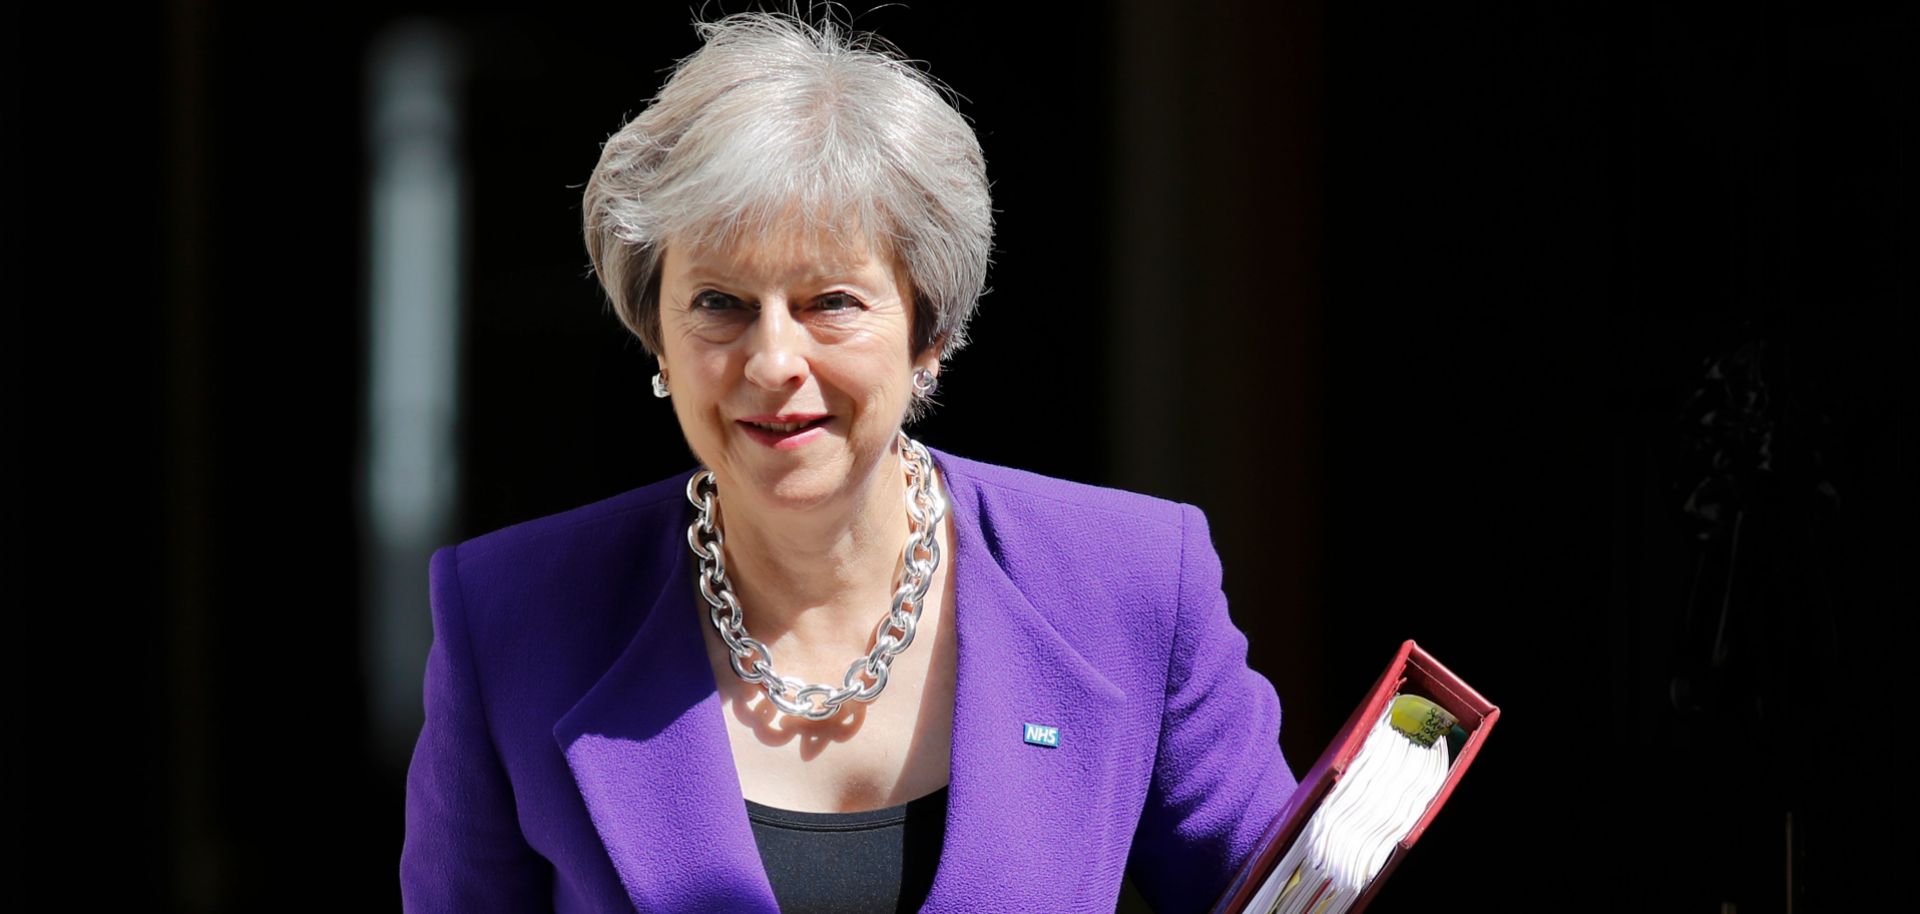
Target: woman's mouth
(784, 432)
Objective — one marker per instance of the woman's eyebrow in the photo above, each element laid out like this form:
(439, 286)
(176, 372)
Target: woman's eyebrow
(709, 277)
(822, 277)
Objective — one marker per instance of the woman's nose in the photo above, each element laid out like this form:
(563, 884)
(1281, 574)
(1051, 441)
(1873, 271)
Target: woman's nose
(776, 348)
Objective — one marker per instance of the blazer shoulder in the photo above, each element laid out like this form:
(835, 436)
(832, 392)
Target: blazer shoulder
(1043, 500)
(1045, 532)
(565, 583)
(656, 501)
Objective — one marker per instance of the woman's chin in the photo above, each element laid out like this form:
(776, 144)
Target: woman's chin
(798, 488)
(805, 479)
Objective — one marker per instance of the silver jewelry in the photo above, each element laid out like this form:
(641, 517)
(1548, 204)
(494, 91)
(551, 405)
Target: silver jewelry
(924, 382)
(753, 661)
(660, 383)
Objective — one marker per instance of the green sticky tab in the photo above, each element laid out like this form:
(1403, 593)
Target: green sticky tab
(1419, 719)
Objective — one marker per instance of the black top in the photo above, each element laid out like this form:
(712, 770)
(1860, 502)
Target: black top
(875, 862)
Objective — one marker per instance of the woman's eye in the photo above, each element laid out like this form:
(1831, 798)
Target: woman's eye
(837, 301)
(710, 300)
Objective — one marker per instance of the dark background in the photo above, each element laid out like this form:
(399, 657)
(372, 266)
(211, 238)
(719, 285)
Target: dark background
(1561, 337)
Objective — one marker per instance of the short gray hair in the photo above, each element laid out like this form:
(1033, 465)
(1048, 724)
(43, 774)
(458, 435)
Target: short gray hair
(774, 117)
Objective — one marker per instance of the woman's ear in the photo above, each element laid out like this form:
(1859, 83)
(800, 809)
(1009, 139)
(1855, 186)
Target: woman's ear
(930, 359)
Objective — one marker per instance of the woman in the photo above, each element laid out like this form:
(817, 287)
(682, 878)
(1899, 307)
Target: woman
(830, 669)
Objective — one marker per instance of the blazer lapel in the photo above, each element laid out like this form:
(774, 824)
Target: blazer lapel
(649, 751)
(1026, 824)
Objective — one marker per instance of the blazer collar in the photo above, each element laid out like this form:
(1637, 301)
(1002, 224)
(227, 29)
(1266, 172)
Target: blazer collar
(648, 747)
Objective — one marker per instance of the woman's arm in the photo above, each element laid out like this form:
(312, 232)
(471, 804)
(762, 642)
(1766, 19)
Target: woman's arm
(1218, 777)
(463, 850)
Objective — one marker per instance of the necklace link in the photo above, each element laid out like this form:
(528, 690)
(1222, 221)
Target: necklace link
(753, 662)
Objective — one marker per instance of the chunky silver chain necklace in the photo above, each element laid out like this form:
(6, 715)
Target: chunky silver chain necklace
(753, 661)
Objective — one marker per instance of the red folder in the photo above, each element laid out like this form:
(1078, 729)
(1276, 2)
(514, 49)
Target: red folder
(1412, 671)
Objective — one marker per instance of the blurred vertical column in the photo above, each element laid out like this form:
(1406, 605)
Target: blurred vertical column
(1215, 381)
(410, 472)
(195, 842)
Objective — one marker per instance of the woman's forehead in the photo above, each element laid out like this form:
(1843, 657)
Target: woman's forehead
(790, 249)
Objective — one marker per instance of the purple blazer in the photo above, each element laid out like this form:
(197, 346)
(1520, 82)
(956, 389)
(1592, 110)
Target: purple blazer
(575, 758)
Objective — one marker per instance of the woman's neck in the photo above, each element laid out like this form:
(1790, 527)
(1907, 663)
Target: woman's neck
(818, 579)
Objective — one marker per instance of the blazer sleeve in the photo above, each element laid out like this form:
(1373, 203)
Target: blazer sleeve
(1218, 776)
(463, 850)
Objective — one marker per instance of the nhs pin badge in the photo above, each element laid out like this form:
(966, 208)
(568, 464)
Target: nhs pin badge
(1042, 735)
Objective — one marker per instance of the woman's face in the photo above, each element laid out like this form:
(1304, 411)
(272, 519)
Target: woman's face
(788, 329)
